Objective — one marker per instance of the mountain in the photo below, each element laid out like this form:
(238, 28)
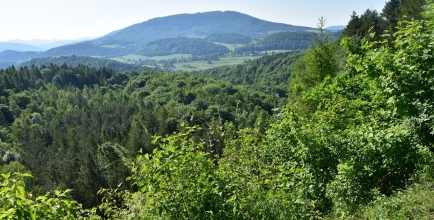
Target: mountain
(197, 25)
(16, 56)
(18, 47)
(132, 39)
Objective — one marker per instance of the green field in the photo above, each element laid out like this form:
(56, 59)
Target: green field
(187, 66)
(230, 46)
(135, 57)
(201, 65)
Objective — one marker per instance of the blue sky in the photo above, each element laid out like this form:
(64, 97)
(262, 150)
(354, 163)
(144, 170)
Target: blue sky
(71, 19)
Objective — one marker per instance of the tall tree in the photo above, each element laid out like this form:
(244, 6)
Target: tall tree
(320, 61)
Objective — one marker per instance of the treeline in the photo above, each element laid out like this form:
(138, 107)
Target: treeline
(229, 38)
(284, 41)
(181, 45)
(86, 61)
(384, 22)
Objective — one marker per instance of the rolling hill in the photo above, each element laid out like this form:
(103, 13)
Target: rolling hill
(197, 25)
(18, 47)
(133, 39)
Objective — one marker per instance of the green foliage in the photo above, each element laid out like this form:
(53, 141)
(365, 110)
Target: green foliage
(269, 74)
(177, 180)
(284, 41)
(15, 203)
(320, 61)
(372, 25)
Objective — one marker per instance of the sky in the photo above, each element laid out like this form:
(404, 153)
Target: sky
(72, 19)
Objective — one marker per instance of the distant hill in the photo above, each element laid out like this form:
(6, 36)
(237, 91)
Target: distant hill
(48, 44)
(87, 61)
(18, 47)
(184, 45)
(134, 38)
(16, 56)
(336, 28)
(87, 48)
(197, 25)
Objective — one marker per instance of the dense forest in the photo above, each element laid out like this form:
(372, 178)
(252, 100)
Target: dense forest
(83, 60)
(284, 41)
(181, 45)
(229, 38)
(351, 138)
(268, 73)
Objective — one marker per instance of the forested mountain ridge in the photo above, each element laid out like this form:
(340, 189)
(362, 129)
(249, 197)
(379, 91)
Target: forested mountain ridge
(195, 25)
(181, 45)
(229, 38)
(199, 25)
(86, 61)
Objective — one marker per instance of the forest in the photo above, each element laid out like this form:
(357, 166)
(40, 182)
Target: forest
(181, 45)
(284, 41)
(344, 130)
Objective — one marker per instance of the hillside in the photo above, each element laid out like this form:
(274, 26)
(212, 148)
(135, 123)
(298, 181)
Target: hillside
(285, 41)
(181, 45)
(269, 73)
(16, 56)
(229, 38)
(195, 25)
(133, 39)
(87, 61)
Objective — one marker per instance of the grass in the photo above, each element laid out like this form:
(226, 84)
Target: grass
(113, 46)
(230, 46)
(201, 65)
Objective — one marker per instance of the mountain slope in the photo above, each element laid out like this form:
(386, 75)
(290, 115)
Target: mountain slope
(195, 25)
(184, 45)
(199, 25)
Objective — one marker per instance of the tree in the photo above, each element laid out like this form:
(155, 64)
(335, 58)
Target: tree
(320, 61)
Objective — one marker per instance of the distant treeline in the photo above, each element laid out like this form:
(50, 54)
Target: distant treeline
(229, 38)
(285, 41)
(87, 61)
(183, 45)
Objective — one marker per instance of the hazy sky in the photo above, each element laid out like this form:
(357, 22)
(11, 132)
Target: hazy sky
(71, 19)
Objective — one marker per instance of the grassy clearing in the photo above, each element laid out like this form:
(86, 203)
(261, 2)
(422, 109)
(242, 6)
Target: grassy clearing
(201, 65)
(113, 46)
(230, 46)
